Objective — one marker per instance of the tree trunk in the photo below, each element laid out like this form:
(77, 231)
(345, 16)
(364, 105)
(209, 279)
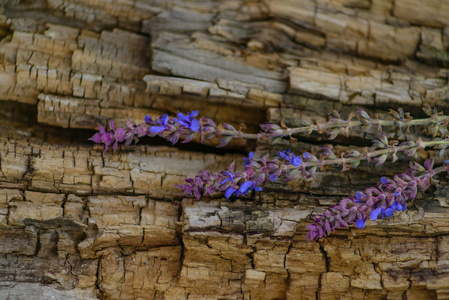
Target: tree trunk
(77, 223)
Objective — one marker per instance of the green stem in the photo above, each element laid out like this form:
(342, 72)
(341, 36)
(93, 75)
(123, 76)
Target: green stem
(369, 155)
(341, 125)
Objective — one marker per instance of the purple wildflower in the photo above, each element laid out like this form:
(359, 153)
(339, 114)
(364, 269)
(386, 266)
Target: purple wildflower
(189, 121)
(290, 157)
(112, 136)
(249, 159)
(229, 192)
(256, 172)
(382, 200)
(185, 127)
(162, 122)
(360, 223)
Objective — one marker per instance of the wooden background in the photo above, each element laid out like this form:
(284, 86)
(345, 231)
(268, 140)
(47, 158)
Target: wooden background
(77, 223)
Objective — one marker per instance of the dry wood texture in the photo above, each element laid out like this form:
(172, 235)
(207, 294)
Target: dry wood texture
(77, 223)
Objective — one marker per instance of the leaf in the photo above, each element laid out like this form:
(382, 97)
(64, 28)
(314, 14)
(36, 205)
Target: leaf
(427, 109)
(333, 133)
(335, 114)
(395, 158)
(276, 140)
(363, 116)
(228, 126)
(327, 152)
(394, 114)
(410, 152)
(355, 164)
(378, 144)
(303, 122)
(382, 137)
(308, 131)
(224, 141)
(381, 159)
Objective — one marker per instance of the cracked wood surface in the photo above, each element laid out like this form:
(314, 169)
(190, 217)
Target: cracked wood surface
(77, 223)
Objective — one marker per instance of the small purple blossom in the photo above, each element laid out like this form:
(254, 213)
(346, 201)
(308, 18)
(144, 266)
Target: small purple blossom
(249, 159)
(256, 172)
(162, 124)
(229, 192)
(290, 157)
(360, 223)
(189, 121)
(230, 178)
(112, 136)
(184, 127)
(383, 201)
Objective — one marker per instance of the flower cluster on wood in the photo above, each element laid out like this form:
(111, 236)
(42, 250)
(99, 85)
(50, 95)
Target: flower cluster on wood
(383, 200)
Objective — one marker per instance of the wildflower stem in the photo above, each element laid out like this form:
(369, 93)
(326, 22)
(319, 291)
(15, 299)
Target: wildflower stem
(259, 170)
(382, 200)
(284, 132)
(377, 153)
(186, 128)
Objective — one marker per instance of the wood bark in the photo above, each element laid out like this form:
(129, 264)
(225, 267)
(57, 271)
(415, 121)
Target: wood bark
(77, 223)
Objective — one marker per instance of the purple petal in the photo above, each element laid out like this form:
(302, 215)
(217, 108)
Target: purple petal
(245, 186)
(164, 119)
(157, 129)
(327, 226)
(193, 114)
(282, 154)
(147, 119)
(120, 134)
(184, 123)
(101, 128)
(297, 161)
(108, 139)
(375, 213)
(197, 193)
(195, 125)
(384, 180)
(360, 223)
(428, 164)
(141, 130)
(227, 179)
(388, 212)
(96, 138)
(229, 192)
(181, 117)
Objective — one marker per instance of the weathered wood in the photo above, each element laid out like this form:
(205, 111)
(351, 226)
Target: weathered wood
(77, 223)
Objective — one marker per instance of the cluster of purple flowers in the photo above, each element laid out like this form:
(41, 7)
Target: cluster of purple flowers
(381, 201)
(255, 173)
(386, 198)
(184, 127)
